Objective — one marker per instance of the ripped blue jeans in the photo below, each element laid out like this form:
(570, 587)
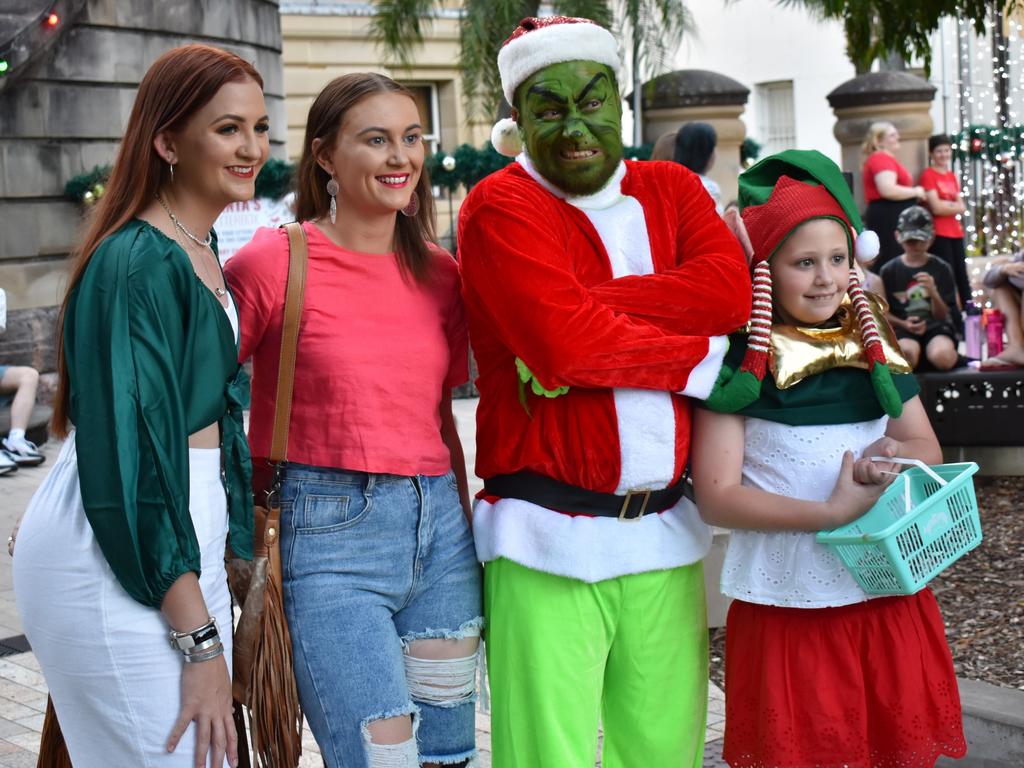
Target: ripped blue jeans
(372, 563)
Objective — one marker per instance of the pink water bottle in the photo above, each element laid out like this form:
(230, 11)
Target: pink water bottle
(972, 331)
(994, 333)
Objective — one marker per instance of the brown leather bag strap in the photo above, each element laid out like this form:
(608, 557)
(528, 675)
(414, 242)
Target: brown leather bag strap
(298, 254)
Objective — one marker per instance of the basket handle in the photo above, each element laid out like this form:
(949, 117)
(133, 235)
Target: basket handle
(914, 462)
(906, 478)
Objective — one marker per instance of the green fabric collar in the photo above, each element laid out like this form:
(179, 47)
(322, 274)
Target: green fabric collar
(838, 396)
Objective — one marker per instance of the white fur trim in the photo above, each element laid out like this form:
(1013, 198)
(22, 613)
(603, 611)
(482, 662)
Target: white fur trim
(647, 439)
(703, 377)
(588, 548)
(505, 137)
(540, 48)
(867, 246)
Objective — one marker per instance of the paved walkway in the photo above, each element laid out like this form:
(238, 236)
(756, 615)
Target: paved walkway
(23, 690)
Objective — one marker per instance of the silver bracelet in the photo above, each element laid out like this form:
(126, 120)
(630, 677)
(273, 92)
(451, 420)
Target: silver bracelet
(207, 655)
(204, 646)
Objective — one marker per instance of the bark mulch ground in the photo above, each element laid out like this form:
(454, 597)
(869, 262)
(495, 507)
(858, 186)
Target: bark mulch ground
(981, 595)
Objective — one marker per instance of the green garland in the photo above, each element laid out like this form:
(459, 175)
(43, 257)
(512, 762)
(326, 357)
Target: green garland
(274, 181)
(750, 150)
(88, 187)
(990, 143)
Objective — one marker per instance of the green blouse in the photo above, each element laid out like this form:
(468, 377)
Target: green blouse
(152, 358)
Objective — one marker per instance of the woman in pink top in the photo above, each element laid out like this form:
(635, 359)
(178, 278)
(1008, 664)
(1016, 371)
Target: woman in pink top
(943, 191)
(888, 189)
(381, 583)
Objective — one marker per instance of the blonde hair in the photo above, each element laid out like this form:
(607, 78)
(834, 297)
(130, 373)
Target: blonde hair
(874, 134)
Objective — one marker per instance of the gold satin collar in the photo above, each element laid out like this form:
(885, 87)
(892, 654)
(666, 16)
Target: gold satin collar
(801, 352)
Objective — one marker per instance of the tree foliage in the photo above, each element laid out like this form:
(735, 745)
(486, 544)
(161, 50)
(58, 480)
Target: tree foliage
(650, 31)
(877, 28)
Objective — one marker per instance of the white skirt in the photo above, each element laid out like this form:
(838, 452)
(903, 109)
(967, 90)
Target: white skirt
(114, 678)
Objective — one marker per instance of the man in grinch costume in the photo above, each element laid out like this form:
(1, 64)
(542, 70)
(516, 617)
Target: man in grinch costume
(599, 293)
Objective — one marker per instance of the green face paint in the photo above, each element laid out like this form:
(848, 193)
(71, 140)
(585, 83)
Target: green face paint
(571, 118)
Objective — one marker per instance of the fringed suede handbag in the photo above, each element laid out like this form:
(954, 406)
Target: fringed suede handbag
(263, 681)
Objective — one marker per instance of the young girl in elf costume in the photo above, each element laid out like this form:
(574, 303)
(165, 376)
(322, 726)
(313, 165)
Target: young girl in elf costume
(818, 673)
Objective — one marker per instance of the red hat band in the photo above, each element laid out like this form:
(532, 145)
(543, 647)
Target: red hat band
(791, 204)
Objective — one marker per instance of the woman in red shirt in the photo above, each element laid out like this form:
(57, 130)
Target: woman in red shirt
(888, 189)
(943, 191)
(382, 587)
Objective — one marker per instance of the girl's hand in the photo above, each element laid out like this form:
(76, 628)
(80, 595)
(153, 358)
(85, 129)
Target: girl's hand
(849, 499)
(206, 700)
(875, 472)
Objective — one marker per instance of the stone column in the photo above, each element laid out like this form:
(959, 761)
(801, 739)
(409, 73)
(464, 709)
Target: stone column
(64, 102)
(698, 95)
(900, 98)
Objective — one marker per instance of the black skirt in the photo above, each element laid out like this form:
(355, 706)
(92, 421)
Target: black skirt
(880, 217)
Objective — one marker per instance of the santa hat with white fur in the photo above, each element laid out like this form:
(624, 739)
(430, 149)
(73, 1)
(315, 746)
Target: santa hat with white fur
(541, 42)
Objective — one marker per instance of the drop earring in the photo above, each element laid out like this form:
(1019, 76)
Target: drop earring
(170, 166)
(413, 206)
(332, 190)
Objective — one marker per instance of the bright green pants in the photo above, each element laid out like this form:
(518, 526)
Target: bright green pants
(564, 656)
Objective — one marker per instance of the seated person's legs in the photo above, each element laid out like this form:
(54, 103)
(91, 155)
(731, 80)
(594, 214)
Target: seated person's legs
(940, 350)
(22, 381)
(911, 350)
(1008, 300)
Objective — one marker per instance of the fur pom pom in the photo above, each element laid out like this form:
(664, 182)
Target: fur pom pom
(505, 137)
(867, 246)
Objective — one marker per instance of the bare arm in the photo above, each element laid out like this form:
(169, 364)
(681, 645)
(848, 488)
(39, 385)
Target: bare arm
(450, 436)
(940, 207)
(909, 437)
(885, 182)
(723, 500)
(205, 685)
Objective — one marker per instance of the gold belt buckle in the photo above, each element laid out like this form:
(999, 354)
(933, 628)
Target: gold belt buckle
(625, 506)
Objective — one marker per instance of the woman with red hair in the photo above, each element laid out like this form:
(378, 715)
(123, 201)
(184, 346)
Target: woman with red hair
(119, 564)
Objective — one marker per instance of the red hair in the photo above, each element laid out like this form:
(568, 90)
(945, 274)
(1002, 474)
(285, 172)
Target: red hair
(179, 84)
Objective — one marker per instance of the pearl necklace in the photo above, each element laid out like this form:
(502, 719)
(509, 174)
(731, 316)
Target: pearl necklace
(184, 230)
(204, 244)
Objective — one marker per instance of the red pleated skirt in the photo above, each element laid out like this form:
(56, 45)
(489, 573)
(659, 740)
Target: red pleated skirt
(869, 685)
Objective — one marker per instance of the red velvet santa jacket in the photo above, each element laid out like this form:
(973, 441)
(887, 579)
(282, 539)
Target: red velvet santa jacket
(540, 285)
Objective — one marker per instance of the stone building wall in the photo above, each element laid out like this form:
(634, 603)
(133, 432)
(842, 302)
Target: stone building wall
(65, 114)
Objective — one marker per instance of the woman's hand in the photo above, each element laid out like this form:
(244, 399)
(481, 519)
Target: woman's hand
(206, 700)
(850, 499)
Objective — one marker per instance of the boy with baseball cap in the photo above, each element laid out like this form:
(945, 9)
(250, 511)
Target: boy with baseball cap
(921, 293)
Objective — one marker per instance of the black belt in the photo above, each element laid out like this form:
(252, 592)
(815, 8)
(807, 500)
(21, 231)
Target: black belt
(563, 497)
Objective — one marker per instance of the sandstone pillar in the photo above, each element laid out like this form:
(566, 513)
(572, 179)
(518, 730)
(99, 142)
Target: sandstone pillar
(698, 95)
(900, 98)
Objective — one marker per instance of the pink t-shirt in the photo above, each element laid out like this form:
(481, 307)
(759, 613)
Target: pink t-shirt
(375, 352)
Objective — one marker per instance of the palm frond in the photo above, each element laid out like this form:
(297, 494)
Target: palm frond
(595, 10)
(486, 24)
(397, 27)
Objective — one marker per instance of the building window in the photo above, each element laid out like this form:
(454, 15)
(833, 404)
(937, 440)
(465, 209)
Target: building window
(776, 116)
(425, 95)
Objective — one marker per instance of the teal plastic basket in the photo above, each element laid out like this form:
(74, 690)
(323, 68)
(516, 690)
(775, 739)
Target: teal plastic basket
(917, 529)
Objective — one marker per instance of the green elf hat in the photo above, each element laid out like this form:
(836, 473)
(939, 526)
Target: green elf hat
(776, 196)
